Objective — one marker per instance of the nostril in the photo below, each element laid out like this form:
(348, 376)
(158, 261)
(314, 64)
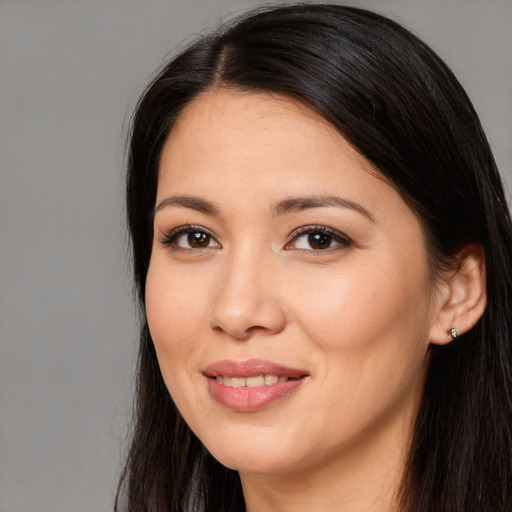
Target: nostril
(238, 334)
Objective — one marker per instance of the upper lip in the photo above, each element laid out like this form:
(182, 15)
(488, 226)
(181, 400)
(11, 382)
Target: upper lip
(251, 368)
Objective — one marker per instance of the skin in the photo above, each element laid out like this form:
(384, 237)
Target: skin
(357, 316)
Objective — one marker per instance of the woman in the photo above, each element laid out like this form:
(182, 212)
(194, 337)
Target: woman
(322, 255)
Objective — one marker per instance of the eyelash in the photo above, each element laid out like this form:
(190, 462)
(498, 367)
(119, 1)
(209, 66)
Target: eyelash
(171, 237)
(339, 238)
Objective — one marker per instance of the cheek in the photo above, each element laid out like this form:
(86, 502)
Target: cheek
(354, 306)
(370, 330)
(173, 309)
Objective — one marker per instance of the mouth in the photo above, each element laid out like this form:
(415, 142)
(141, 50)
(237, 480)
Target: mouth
(252, 382)
(251, 385)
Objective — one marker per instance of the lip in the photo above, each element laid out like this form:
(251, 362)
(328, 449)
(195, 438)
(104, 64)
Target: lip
(246, 399)
(251, 368)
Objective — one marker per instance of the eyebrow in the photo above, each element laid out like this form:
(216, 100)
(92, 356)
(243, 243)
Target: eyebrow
(191, 202)
(297, 204)
(290, 205)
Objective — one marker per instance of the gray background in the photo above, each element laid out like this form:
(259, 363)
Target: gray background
(70, 73)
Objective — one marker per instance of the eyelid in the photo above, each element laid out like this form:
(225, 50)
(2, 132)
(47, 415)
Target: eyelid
(170, 237)
(342, 240)
(339, 237)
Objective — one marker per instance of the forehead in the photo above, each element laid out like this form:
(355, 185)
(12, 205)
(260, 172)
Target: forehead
(230, 132)
(231, 143)
(261, 107)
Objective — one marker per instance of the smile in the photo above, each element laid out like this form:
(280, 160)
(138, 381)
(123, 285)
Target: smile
(251, 382)
(251, 385)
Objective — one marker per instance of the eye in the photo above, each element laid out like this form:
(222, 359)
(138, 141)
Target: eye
(318, 238)
(190, 237)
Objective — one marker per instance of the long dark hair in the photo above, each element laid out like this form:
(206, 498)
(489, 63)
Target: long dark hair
(401, 107)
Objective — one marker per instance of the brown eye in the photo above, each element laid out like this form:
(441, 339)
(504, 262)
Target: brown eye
(319, 240)
(189, 238)
(316, 239)
(198, 239)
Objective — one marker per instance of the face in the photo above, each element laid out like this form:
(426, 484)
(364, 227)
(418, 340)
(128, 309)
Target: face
(288, 294)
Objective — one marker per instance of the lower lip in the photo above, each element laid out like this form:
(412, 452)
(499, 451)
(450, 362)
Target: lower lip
(245, 399)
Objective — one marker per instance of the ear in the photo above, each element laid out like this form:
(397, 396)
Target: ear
(461, 296)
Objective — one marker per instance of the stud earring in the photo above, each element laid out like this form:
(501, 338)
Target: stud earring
(453, 333)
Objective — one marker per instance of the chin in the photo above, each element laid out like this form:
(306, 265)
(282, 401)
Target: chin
(257, 463)
(253, 455)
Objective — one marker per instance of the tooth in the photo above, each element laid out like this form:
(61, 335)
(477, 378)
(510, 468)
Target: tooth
(254, 382)
(283, 378)
(226, 381)
(238, 382)
(271, 379)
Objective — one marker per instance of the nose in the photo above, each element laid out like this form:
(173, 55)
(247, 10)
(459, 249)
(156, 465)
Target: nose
(246, 302)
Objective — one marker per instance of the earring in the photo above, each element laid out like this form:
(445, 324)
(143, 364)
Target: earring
(453, 333)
